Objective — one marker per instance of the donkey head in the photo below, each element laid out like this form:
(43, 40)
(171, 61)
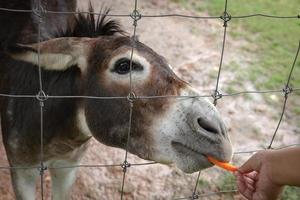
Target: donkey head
(167, 130)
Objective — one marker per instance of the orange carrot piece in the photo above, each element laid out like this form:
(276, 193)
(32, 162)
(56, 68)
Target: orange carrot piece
(223, 165)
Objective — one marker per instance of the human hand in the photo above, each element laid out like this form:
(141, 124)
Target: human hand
(254, 179)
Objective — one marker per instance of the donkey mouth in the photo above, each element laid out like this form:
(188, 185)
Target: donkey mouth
(187, 150)
(183, 148)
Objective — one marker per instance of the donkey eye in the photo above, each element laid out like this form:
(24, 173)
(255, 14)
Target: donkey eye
(122, 66)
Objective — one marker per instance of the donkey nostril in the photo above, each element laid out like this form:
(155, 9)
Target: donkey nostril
(208, 126)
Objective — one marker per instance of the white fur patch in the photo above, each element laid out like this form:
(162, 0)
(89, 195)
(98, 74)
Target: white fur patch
(25, 183)
(62, 179)
(82, 124)
(175, 71)
(52, 61)
(179, 124)
(137, 76)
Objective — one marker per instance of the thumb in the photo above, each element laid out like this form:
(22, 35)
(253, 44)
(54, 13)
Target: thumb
(252, 164)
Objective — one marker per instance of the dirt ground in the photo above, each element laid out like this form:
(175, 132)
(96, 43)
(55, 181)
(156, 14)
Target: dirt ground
(193, 48)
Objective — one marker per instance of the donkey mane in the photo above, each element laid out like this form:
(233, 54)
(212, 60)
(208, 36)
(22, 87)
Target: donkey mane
(92, 25)
(22, 27)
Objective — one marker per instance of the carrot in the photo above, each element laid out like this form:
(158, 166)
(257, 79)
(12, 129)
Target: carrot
(223, 165)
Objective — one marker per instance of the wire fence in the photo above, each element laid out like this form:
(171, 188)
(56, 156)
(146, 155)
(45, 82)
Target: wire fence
(42, 96)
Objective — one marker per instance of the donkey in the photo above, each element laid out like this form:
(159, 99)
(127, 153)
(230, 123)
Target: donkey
(90, 56)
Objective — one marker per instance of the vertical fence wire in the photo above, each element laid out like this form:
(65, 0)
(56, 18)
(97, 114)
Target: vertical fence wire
(40, 95)
(39, 12)
(287, 90)
(216, 95)
(226, 17)
(135, 16)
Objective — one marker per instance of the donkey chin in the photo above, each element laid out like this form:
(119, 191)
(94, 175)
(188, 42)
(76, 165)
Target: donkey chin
(189, 131)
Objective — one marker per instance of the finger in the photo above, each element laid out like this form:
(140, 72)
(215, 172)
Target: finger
(250, 187)
(248, 194)
(253, 175)
(245, 191)
(241, 179)
(260, 196)
(241, 186)
(245, 188)
(252, 164)
(249, 180)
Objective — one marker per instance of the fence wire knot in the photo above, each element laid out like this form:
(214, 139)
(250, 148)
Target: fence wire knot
(135, 15)
(42, 169)
(217, 95)
(125, 165)
(41, 97)
(269, 147)
(195, 196)
(134, 39)
(131, 97)
(39, 11)
(226, 18)
(287, 90)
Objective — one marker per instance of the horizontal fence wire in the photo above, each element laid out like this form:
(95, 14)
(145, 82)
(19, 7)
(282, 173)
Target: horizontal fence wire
(297, 16)
(294, 90)
(136, 164)
(215, 94)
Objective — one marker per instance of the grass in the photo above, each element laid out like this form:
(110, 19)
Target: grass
(276, 40)
(290, 193)
(227, 183)
(275, 44)
(203, 184)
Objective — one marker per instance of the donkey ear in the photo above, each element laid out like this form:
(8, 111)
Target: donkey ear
(56, 54)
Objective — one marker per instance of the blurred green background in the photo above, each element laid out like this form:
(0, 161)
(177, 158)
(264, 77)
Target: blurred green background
(275, 42)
